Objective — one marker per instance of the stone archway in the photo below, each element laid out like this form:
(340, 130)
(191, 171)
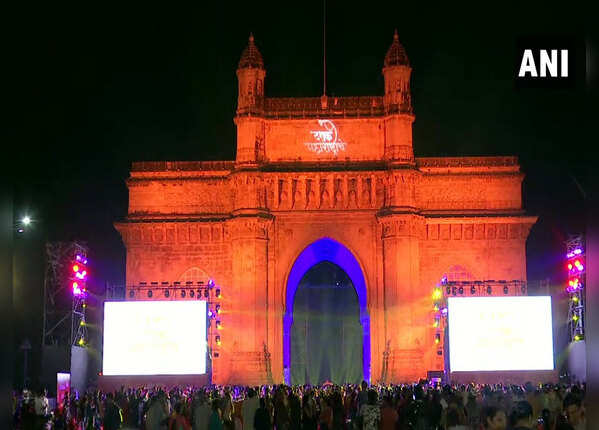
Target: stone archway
(326, 249)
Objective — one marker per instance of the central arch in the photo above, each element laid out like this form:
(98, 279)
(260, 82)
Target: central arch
(326, 249)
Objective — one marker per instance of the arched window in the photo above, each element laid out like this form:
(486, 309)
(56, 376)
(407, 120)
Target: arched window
(194, 274)
(458, 273)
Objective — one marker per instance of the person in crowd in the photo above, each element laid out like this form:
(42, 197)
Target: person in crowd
(113, 417)
(370, 412)
(453, 421)
(216, 421)
(281, 409)
(295, 411)
(473, 410)
(200, 411)
(325, 420)
(309, 414)
(157, 415)
(41, 408)
(389, 416)
(178, 421)
(574, 411)
(494, 418)
(262, 417)
(522, 416)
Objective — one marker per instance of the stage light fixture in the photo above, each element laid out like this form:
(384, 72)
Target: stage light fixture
(448, 290)
(575, 299)
(461, 290)
(75, 268)
(211, 283)
(191, 293)
(436, 307)
(183, 294)
(218, 325)
(150, 293)
(131, 294)
(217, 293)
(26, 220)
(437, 337)
(216, 354)
(439, 352)
(575, 318)
(217, 308)
(437, 294)
(76, 289)
(206, 293)
(489, 290)
(210, 313)
(167, 293)
(505, 290)
(81, 342)
(472, 290)
(217, 339)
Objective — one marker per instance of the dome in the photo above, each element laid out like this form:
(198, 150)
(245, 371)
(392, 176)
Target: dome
(396, 55)
(251, 57)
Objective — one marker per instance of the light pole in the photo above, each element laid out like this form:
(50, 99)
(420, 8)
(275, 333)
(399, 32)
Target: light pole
(25, 347)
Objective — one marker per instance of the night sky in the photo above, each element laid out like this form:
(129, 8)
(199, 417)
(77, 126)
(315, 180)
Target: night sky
(107, 86)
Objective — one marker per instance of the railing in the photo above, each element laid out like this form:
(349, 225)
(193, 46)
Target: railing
(467, 161)
(316, 106)
(164, 166)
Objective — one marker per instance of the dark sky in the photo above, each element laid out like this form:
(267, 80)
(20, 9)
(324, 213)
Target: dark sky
(106, 86)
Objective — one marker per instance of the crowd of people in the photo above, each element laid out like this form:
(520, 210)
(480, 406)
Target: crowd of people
(421, 406)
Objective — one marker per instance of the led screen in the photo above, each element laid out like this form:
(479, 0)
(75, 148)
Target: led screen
(154, 338)
(500, 333)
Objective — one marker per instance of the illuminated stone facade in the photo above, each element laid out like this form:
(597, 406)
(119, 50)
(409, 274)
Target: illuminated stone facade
(328, 167)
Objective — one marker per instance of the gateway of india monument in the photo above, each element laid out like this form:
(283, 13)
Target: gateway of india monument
(325, 179)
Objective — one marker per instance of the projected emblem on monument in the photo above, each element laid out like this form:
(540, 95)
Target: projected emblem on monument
(327, 139)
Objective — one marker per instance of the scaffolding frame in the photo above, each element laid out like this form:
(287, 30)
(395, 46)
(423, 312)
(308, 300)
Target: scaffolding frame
(63, 314)
(577, 297)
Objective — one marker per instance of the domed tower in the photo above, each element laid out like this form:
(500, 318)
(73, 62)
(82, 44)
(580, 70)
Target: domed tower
(398, 104)
(250, 105)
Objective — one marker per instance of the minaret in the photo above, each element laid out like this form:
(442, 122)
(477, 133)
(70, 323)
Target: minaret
(250, 106)
(398, 105)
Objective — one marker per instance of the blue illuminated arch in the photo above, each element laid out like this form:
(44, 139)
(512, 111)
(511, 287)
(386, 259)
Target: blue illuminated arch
(326, 249)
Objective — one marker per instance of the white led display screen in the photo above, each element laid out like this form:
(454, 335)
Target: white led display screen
(500, 333)
(154, 338)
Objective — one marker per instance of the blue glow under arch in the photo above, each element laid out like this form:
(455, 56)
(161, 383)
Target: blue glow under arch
(326, 249)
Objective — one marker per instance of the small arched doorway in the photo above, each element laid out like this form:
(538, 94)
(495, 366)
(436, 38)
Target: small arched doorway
(326, 250)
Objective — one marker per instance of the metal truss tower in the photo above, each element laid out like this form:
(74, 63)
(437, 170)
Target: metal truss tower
(63, 314)
(576, 267)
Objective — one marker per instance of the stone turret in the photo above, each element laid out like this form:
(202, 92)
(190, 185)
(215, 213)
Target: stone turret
(250, 106)
(398, 105)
